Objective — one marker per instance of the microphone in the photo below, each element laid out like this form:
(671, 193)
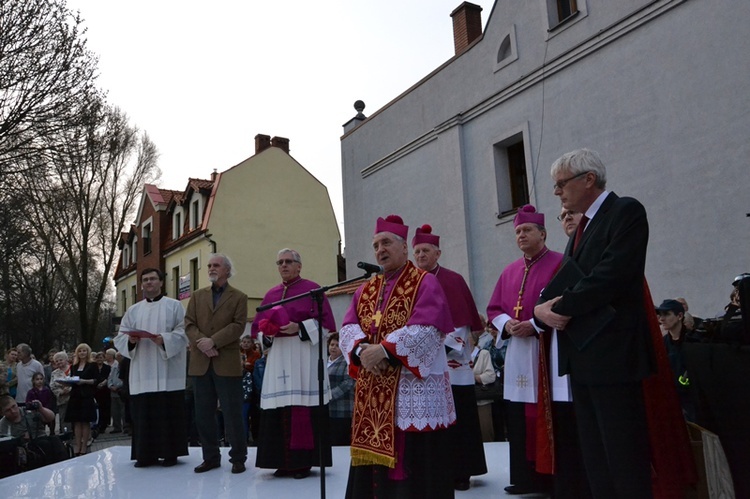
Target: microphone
(370, 268)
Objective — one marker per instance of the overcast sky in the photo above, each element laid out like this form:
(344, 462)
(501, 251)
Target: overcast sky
(203, 78)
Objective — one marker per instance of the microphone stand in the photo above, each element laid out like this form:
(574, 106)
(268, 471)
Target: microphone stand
(317, 296)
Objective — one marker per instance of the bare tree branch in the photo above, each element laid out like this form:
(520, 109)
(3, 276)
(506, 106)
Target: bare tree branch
(81, 206)
(46, 76)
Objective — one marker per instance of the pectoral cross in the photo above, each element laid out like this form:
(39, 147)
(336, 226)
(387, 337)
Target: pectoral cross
(377, 318)
(517, 309)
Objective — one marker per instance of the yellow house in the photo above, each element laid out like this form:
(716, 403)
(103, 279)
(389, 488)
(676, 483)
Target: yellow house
(249, 212)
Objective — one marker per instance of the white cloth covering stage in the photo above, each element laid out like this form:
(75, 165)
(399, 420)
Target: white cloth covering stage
(109, 473)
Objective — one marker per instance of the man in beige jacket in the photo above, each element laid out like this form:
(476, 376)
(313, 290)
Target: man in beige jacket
(214, 321)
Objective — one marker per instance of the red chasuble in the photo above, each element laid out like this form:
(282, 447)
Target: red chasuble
(374, 418)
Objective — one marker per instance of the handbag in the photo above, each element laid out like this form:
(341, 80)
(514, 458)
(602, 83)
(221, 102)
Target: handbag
(493, 391)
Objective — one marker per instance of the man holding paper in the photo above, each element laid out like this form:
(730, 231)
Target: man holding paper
(152, 336)
(606, 366)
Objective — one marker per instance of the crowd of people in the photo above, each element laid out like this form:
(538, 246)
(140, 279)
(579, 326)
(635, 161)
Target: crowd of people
(563, 366)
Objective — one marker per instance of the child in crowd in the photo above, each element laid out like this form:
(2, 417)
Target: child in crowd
(39, 391)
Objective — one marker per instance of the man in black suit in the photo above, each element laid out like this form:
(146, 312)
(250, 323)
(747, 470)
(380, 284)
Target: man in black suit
(610, 248)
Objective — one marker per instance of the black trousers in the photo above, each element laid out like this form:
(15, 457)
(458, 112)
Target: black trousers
(570, 480)
(228, 390)
(613, 434)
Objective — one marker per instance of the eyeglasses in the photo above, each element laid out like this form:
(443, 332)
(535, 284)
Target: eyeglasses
(285, 261)
(567, 215)
(562, 183)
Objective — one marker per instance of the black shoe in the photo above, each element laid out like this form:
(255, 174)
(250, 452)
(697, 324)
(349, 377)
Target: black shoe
(520, 489)
(206, 466)
(144, 463)
(300, 474)
(169, 461)
(115, 431)
(461, 484)
(238, 468)
(281, 473)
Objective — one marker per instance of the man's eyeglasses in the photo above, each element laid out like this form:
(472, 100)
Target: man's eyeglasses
(562, 183)
(567, 215)
(285, 261)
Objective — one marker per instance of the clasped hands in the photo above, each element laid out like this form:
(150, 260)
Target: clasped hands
(373, 358)
(544, 312)
(207, 346)
(519, 329)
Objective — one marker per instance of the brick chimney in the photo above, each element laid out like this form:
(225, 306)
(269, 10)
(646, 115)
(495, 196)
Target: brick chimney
(467, 25)
(281, 142)
(262, 142)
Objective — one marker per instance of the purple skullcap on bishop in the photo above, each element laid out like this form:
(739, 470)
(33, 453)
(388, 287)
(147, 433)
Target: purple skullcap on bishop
(527, 215)
(394, 224)
(424, 235)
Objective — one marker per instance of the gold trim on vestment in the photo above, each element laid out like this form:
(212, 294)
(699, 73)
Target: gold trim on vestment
(374, 418)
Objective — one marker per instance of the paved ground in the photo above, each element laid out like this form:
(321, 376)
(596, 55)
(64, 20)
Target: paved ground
(105, 440)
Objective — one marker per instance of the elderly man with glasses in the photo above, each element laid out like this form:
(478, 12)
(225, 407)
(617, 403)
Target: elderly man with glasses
(290, 415)
(607, 364)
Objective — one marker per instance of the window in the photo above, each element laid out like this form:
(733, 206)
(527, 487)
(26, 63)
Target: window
(194, 274)
(134, 293)
(124, 300)
(506, 52)
(565, 9)
(176, 281)
(195, 214)
(510, 174)
(125, 257)
(177, 223)
(134, 251)
(146, 234)
(564, 12)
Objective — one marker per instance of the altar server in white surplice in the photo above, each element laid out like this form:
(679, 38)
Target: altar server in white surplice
(157, 373)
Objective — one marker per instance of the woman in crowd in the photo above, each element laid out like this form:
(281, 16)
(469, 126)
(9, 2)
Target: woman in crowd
(61, 390)
(342, 394)
(11, 361)
(82, 405)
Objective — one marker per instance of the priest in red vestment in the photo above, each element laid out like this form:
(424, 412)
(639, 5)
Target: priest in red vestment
(393, 336)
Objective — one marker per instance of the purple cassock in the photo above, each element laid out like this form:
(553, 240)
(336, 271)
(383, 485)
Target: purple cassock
(289, 398)
(461, 302)
(298, 310)
(504, 299)
(522, 355)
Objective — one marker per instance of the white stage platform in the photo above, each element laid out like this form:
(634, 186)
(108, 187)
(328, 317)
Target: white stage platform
(109, 473)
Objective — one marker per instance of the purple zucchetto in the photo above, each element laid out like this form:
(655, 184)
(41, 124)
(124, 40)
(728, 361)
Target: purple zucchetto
(393, 224)
(528, 215)
(424, 235)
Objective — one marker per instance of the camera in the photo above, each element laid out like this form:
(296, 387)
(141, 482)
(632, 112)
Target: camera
(31, 406)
